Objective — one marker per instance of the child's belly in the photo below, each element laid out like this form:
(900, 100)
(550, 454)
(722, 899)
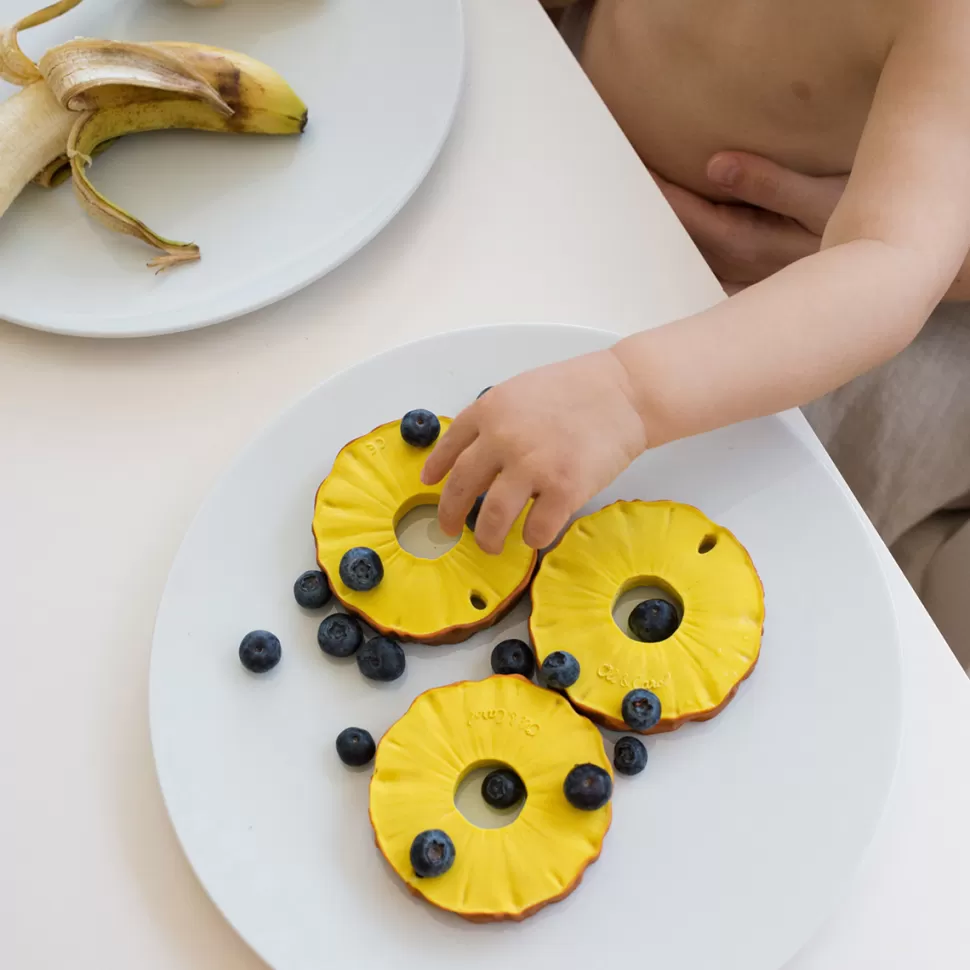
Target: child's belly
(793, 81)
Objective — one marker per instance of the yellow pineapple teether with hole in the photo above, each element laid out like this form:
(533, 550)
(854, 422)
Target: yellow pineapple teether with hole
(374, 483)
(697, 669)
(504, 873)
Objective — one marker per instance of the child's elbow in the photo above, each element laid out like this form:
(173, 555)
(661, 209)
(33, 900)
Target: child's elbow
(926, 280)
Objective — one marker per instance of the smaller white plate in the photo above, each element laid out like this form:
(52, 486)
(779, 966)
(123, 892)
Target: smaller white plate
(724, 855)
(381, 79)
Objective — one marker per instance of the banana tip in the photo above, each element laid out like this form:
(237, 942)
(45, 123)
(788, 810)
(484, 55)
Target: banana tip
(304, 118)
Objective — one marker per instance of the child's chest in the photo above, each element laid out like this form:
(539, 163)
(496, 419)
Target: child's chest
(792, 80)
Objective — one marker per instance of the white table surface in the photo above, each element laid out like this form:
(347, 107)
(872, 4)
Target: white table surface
(538, 210)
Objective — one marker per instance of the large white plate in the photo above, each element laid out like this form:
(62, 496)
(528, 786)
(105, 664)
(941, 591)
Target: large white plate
(381, 79)
(725, 854)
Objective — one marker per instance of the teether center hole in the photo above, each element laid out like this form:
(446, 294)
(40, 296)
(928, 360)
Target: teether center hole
(634, 593)
(418, 531)
(477, 600)
(471, 804)
(707, 544)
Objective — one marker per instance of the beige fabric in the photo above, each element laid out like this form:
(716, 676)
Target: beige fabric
(935, 556)
(945, 586)
(914, 550)
(572, 24)
(900, 435)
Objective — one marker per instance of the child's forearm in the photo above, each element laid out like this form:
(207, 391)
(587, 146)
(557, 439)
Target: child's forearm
(782, 343)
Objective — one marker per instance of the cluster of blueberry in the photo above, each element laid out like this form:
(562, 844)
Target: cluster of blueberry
(559, 671)
(339, 635)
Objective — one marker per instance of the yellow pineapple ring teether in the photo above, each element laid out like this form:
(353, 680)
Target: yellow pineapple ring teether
(374, 483)
(696, 671)
(504, 873)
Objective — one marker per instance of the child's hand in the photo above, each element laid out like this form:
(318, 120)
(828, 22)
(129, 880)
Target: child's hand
(559, 434)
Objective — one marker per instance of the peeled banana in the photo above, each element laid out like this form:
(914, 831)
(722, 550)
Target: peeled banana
(85, 94)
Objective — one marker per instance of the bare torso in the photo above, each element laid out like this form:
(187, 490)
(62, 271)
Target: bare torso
(792, 80)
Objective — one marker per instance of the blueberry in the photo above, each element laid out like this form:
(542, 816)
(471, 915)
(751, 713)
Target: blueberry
(471, 520)
(432, 854)
(482, 394)
(513, 657)
(312, 591)
(355, 746)
(588, 787)
(502, 788)
(361, 569)
(340, 635)
(641, 709)
(420, 428)
(654, 620)
(629, 756)
(381, 659)
(559, 670)
(260, 651)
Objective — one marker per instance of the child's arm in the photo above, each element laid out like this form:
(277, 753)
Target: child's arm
(891, 250)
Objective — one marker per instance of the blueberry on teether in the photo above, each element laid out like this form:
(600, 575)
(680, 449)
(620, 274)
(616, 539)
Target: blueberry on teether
(559, 670)
(361, 569)
(471, 520)
(588, 787)
(641, 709)
(654, 620)
(432, 854)
(420, 428)
(502, 788)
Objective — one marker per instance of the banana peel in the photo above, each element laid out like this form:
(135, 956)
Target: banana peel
(84, 95)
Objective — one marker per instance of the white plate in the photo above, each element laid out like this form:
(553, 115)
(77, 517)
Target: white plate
(725, 854)
(381, 79)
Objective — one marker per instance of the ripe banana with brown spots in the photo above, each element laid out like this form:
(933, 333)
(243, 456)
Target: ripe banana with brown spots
(85, 94)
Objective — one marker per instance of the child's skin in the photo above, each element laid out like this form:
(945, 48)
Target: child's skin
(881, 87)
